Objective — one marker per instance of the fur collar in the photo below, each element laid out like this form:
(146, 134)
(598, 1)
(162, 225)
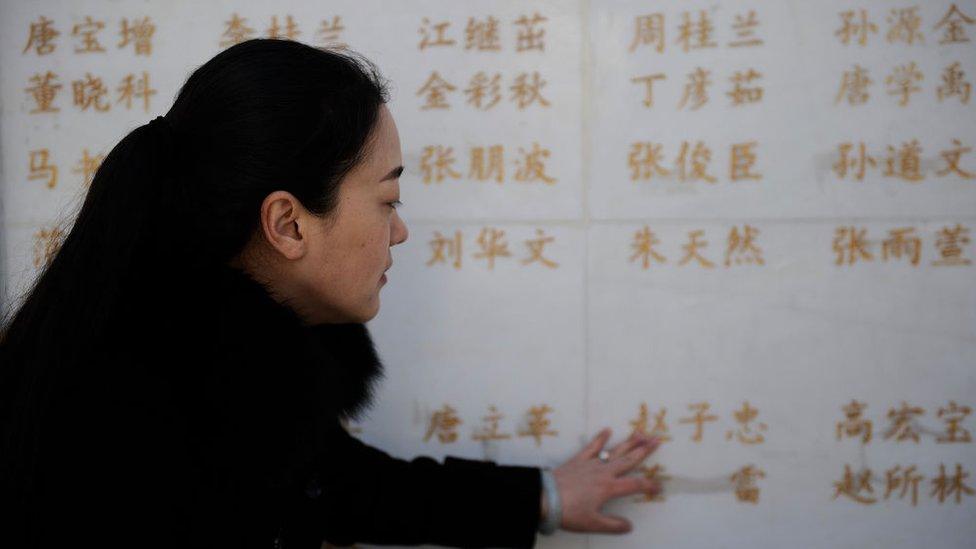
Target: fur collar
(335, 366)
(264, 391)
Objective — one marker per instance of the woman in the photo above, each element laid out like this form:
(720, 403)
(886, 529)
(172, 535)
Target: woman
(177, 375)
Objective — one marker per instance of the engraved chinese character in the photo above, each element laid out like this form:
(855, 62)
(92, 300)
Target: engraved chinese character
(953, 21)
(695, 89)
(903, 422)
(855, 163)
(443, 248)
(289, 32)
(952, 157)
(745, 433)
(139, 34)
(328, 33)
(41, 37)
(854, 86)
(699, 419)
(141, 89)
(492, 245)
(88, 166)
(644, 161)
(901, 82)
(89, 92)
(87, 30)
(696, 34)
(691, 250)
(436, 163)
(742, 247)
(237, 31)
(742, 159)
(653, 473)
(855, 488)
(435, 89)
(945, 487)
(660, 429)
(855, 26)
(854, 425)
(906, 479)
(526, 91)
(851, 245)
(444, 422)
(535, 246)
(904, 26)
(742, 92)
(644, 241)
(649, 30)
(648, 82)
(531, 165)
(954, 83)
(904, 163)
(47, 242)
(744, 481)
(745, 31)
(43, 91)
(487, 163)
(902, 242)
(438, 39)
(483, 92)
(538, 425)
(482, 35)
(692, 163)
(490, 432)
(952, 415)
(39, 168)
(949, 243)
(530, 35)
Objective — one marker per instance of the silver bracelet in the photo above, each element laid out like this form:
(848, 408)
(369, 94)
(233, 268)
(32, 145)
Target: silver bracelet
(555, 514)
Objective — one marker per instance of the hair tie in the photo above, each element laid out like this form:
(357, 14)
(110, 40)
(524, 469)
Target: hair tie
(163, 131)
(161, 125)
(166, 144)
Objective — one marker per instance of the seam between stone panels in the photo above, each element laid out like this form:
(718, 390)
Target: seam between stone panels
(586, 105)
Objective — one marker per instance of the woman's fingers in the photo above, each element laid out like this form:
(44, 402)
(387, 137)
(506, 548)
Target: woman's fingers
(634, 457)
(634, 485)
(632, 444)
(624, 446)
(591, 450)
(612, 524)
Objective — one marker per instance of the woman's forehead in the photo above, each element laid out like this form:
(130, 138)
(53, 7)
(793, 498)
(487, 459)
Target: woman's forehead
(386, 146)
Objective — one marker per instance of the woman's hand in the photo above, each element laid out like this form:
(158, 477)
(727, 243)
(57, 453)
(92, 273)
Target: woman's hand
(585, 483)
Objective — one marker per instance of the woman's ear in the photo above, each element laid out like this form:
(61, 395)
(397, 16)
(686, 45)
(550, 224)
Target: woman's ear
(284, 224)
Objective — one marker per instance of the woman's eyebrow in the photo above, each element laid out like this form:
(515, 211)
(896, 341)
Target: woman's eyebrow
(394, 173)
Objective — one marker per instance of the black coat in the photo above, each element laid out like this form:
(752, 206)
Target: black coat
(211, 418)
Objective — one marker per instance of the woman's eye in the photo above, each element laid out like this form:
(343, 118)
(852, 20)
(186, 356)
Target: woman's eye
(395, 204)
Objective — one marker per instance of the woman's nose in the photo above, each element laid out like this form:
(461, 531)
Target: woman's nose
(400, 231)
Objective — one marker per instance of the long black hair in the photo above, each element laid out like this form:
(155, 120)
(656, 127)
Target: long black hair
(176, 194)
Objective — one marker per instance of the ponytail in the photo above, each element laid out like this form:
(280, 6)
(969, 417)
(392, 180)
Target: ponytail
(64, 316)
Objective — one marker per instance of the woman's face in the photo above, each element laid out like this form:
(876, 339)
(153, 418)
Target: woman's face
(331, 268)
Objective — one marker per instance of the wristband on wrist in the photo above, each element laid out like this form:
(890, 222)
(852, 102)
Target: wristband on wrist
(554, 517)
